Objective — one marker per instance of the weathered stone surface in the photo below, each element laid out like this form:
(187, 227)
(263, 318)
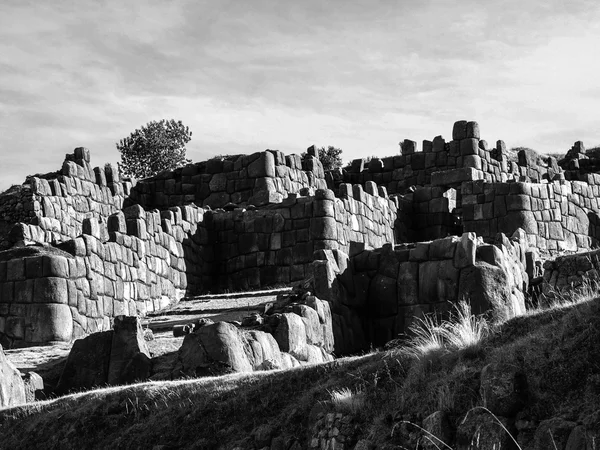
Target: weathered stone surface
(486, 288)
(291, 335)
(12, 388)
(87, 363)
(126, 365)
(480, 430)
(503, 389)
(34, 387)
(49, 322)
(459, 131)
(214, 349)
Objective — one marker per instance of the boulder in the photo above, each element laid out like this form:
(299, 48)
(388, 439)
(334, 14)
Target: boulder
(12, 388)
(129, 354)
(487, 289)
(34, 387)
(87, 363)
(214, 349)
(290, 334)
(118, 356)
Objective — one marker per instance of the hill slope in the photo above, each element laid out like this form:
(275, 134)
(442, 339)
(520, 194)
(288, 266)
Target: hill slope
(555, 350)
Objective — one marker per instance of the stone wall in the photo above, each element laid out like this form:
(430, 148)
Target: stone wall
(57, 203)
(557, 217)
(567, 274)
(257, 179)
(465, 158)
(377, 294)
(142, 261)
(275, 244)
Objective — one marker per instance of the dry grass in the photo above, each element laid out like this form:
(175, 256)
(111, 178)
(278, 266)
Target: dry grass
(345, 400)
(555, 349)
(462, 332)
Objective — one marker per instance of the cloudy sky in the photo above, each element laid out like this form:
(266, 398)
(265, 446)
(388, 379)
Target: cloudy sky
(251, 75)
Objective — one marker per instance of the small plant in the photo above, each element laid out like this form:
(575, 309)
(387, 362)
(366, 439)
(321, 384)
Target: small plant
(427, 336)
(345, 400)
(464, 331)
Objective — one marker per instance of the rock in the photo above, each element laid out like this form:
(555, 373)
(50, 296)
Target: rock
(118, 356)
(34, 387)
(125, 359)
(553, 434)
(503, 389)
(213, 349)
(87, 363)
(479, 430)
(487, 289)
(12, 388)
(290, 334)
(438, 425)
(50, 322)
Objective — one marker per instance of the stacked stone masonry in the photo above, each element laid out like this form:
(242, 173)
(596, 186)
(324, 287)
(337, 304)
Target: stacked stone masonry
(267, 218)
(558, 216)
(465, 158)
(257, 179)
(57, 203)
(377, 294)
(275, 244)
(143, 261)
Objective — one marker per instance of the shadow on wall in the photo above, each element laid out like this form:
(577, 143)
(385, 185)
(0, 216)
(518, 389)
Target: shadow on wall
(594, 229)
(375, 295)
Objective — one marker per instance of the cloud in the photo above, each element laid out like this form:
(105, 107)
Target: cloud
(248, 76)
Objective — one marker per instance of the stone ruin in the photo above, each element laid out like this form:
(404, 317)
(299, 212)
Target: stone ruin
(380, 242)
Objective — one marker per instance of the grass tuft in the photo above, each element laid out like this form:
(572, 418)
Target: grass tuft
(345, 400)
(463, 332)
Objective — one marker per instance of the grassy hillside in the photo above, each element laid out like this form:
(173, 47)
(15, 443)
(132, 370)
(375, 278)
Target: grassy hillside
(557, 350)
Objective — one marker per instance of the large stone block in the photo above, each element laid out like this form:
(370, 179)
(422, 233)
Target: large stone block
(459, 130)
(55, 266)
(323, 228)
(264, 166)
(87, 363)
(214, 349)
(383, 296)
(438, 282)
(49, 322)
(408, 283)
(50, 290)
(290, 334)
(129, 355)
(12, 388)
(488, 290)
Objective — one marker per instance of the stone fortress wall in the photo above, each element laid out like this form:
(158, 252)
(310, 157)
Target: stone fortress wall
(52, 207)
(275, 244)
(265, 219)
(465, 158)
(377, 294)
(258, 179)
(117, 260)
